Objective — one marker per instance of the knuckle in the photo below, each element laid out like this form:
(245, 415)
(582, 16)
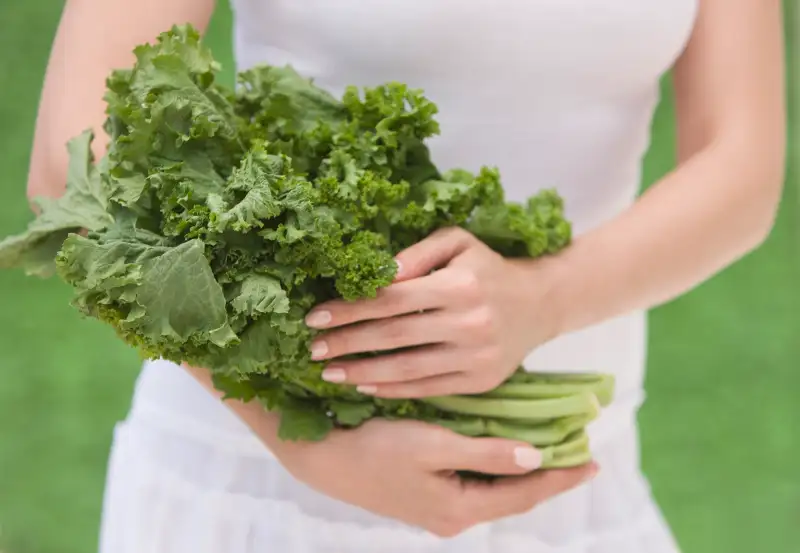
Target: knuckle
(488, 357)
(486, 382)
(464, 236)
(437, 443)
(478, 322)
(453, 232)
(466, 285)
(386, 300)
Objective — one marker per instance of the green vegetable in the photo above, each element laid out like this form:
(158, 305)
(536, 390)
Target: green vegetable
(534, 410)
(219, 217)
(545, 385)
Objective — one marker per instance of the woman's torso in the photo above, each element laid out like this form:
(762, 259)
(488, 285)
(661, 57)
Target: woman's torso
(555, 93)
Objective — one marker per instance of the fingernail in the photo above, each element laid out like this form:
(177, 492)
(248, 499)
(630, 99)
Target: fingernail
(528, 458)
(332, 374)
(399, 268)
(318, 318)
(367, 389)
(318, 349)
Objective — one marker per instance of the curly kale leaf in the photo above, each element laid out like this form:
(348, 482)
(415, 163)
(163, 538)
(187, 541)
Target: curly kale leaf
(148, 285)
(219, 217)
(84, 205)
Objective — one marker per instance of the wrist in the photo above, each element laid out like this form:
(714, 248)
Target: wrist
(551, 299)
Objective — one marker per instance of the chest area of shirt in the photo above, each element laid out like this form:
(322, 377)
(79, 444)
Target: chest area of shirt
(550, 42)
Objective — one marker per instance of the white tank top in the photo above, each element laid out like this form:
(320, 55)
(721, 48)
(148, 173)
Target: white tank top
(555, 93)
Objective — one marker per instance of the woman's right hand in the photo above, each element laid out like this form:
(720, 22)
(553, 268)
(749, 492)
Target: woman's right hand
(405, 470)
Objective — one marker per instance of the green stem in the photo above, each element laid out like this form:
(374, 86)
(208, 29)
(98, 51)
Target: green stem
(523, 375)
(552, 433)
(546, 386)
(574, 459)
(531, 410)
(466, 426)
(575, 444)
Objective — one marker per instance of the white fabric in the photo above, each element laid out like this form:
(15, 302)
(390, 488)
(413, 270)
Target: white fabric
(556, 93)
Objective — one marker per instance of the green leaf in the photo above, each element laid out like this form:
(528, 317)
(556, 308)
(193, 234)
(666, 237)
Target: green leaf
(280, 98)
(179, 298)
(220, 217)
(302, 420)
(84, 205)
(516, 230)
(168, 292)
(233, 388)
(352, 414)
(261, 294)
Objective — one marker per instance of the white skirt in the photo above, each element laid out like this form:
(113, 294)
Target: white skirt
(186, 476)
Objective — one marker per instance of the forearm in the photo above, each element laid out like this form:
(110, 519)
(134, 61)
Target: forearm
(263, 423)
(719, 203)
(89, 44)
(705, 215)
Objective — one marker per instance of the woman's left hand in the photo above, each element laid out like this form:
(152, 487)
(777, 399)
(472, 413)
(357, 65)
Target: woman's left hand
(469, 315)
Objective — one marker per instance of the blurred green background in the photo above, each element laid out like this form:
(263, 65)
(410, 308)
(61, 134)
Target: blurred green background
(724, 369)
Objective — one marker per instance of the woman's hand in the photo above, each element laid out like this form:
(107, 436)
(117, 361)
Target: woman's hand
(454, 298)
(405, 471)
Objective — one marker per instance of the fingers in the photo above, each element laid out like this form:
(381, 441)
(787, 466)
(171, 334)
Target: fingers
(498, 456)
(519, 494)
(415, 288)
(426, 293)
(433, 252)
(381, 335)
(519, 489)
(472, 502)
(387, 372)
(439, 385)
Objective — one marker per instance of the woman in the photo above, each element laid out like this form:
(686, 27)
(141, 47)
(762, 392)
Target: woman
(555, 94)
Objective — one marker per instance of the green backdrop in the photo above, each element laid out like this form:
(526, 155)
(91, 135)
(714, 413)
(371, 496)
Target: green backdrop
(723, 371)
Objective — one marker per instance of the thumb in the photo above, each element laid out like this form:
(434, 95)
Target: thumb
(496, 456)
(433, 252)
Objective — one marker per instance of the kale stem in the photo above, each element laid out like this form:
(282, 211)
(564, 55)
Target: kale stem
(468, 427)
(547, 387)
(547, 434)
(530, 410)
(574, 459)
(572, 450)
